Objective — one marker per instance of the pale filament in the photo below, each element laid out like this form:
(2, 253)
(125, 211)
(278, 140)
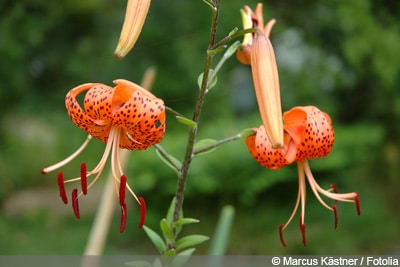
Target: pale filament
(68, 159)
(304, 171)
(301, 195)
(348, 197)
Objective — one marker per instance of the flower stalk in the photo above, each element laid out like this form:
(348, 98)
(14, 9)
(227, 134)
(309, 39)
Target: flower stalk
(183, 172)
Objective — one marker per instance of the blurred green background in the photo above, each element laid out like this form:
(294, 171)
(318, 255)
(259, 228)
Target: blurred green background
(342, 56)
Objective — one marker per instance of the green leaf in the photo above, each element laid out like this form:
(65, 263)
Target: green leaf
(168, 257)
(205, 146)
(185, 121)
(183, 257)
(169, 253)
(232, 49)
(232, 32)
(169, 160)
(210, 84)
(222, 232)
(155, 238)
(190, 240)
(170, 212)
(167, 231)
(209, 3)
(183, 221)
(186, 252)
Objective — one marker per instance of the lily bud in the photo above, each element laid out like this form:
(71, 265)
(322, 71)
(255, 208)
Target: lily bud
(136, 13)
(266, 85)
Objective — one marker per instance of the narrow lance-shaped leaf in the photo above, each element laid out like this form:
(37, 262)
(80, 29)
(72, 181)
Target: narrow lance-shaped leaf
(183, 221)
(167, 231)
(155, 238)
(190, 240)
(170, 212)
(205, 146)
(170, 160)
(183, 257)
(186, 121)
(232, 49)
(210, 84)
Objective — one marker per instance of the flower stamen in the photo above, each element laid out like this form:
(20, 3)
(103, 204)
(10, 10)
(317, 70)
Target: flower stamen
(142, 211)
(75, 203)
(303, 230)
(84, 178)
(336, 215)
(61, 186)
(123, 218)
(122, 190)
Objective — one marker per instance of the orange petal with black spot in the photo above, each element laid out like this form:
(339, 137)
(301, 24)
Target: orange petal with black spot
(80, 117)
(142, 116)
(311, 130)
(261, 149)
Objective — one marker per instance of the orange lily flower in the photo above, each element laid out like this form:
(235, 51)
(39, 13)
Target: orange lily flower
(308, 134)
(126, 116)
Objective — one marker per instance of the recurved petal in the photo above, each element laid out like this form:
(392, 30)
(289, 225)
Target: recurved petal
(98, 103)
(261, 149)
(80, 118)
(143, 119)
(311, 130)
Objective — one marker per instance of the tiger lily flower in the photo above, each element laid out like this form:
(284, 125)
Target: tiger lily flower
(135, 16)
(124, 117)
(308, 134)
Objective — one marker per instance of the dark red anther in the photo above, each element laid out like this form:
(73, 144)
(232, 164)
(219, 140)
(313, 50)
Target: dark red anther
(75, 204)
(336, 215)
(84, 178)
(142, 211)
(333, 186)
(303, 231)
(61, 187)
(122, 190)
(357, 201)
(123, 218)
(281, 235)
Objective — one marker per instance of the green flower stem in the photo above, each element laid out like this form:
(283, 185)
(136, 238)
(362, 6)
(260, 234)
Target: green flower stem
(167, 157)
(217, 143)
(183, 173)
(221, 62)
(233, 36)
(173, 112)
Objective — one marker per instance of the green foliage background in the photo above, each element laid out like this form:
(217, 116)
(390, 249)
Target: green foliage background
(341, 56)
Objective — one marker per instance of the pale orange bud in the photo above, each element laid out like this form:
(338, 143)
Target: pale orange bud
(136, 13)
(266, 85)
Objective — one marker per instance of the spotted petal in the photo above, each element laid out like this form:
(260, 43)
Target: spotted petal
(261, 149)
(141, 115)
(87, 121)
(311, 130)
